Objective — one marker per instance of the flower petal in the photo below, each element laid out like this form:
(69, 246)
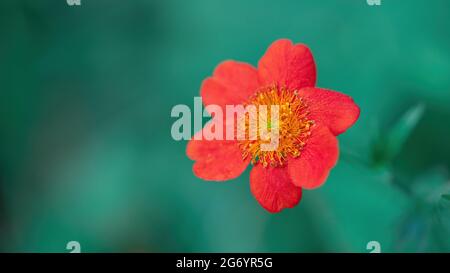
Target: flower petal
(289, 65)
(335, 110)
(310, 170)
(273, 188)
(232, 83)
(216, 160)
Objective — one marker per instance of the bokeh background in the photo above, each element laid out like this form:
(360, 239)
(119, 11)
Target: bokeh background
(86, 152)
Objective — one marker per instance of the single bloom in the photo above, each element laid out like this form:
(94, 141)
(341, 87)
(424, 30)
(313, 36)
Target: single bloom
(310, 118)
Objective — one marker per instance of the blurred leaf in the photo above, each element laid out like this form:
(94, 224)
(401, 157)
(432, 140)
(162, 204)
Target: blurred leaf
(425, 227)
(431, 185)
(403, 128)
(413, 231)
(388, 146)
(441, 224)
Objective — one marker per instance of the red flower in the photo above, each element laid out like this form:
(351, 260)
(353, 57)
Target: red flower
(308, 147)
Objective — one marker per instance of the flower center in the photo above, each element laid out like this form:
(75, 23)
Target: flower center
(291, 126)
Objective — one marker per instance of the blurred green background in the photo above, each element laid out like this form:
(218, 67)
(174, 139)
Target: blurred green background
(86, 152)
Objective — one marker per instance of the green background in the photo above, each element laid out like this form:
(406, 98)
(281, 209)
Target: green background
(86, 152)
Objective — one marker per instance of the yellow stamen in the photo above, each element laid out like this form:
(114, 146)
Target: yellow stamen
(293, 126)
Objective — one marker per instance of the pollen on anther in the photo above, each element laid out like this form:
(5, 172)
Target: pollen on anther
(293, 125)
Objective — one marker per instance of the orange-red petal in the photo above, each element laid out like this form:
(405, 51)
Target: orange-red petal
(216, 160)
(310, 170)
(335, 110)
(273, 188)
(232, 83)
(288, 65)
